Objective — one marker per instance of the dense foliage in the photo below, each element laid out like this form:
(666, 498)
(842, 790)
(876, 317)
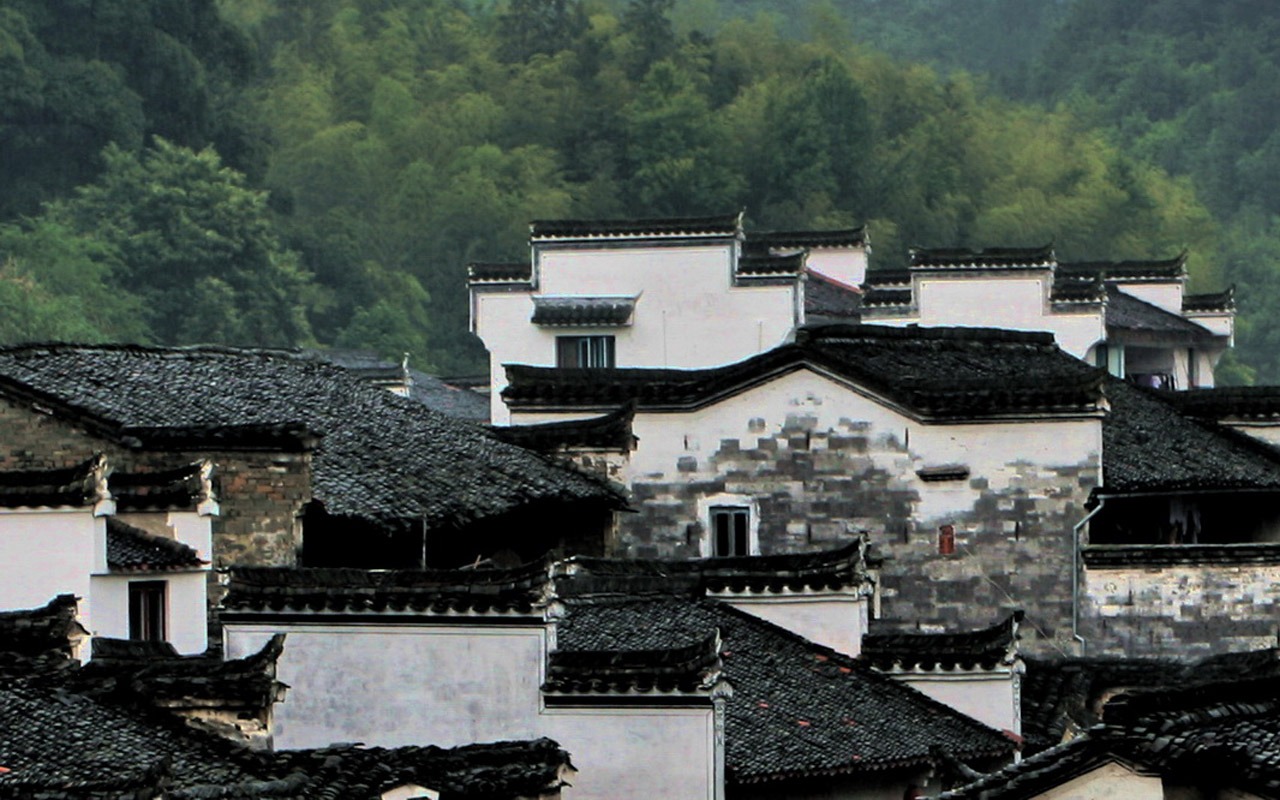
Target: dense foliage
(408, 137)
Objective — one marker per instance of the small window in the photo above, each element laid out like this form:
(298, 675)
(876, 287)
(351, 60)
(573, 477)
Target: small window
(584, 351)
(147, 601)
(730, 531)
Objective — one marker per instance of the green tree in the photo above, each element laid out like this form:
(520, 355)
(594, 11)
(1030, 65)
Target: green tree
(183, 225)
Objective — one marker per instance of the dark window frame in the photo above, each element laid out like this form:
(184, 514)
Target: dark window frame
(149, 611)
(596, 351)
(730, 531)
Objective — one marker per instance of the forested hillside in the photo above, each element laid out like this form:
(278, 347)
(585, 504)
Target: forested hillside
(358, 153)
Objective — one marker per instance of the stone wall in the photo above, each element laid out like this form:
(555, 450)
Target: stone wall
(1183, 610)
(817, 462)
(261, 494)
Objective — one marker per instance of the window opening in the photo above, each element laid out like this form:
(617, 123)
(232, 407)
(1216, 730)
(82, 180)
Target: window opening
(730, 527)
(147, 611)
(584, 351)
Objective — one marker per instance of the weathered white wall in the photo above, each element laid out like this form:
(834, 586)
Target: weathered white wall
(687, 313)
(48, 552)
(992, 699)
(186, 612)
(1165, 295)
(450, 685)
(1108, 782)
(848, 266)
(835, 620)
(1015, 303)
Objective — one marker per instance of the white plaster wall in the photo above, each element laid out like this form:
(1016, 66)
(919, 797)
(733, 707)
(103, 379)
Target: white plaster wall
(847, 266)
(48, 552)
(194, 530)
(1165, 295)
(636, 753)
(186, 613)
(835, 620)
(687, 314)
(453, 685)
(1108, 782)
(1221, 324)
(990, 699)
(991, 451)
(1015, 303)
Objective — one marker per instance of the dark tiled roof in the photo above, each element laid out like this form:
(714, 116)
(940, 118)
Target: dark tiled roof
(610, 431)
(56, 743)
(722, 225)
(1224, 735)
(798, 709)
(981, 649)
(808, 240)
(39, 639)
(448, 398)
(1148, 446)
(828, 570)
(283, 589)
(830, 301)
(1078, 289)
(1127, 313)
(1209, 303)
(687, 669)
(1167, 269)
(879, 297)
(991, 257)
(932, 372)
(131, 549)
(765, 265)
(1067, 694)
(180, 488)
(507, 272)
(583, 312)
(1239, 402)
(382, 457)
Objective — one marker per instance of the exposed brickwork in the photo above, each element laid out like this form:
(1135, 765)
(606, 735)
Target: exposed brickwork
(261, 494)
(815, 486)
(1184, 610)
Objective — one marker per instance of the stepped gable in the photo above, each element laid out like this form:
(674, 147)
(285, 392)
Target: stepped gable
(968, 650)
(182, 488)
(1223, 302)
(516, 272)
(266, 590)
(798, 709)
(583, 312)
(73, 486)
(1128, 313)
(1149, 446)
(444, 472)
(933, 373)
(1133, 271)
(828, 300)
(768, 265)
(131, 549)
(690, 669)
(655, 228)
(807, 240)
(612, 431)
(40, 640)
(953, 258)
(829, 570)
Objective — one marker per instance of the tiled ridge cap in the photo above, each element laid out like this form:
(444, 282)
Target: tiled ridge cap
(611, 431)
(1163, 269)
(500, 272)
(1227, 401)
(991, 257)
(1210, 302)
(686, 669)
(717, 225)
(759, 265)
(820, 333)
(1199, 703)
(838, 238)
(985, 648)
(569, 311)
(65, 486)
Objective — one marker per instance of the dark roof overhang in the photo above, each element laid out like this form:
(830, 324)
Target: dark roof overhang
(568, 230)
(583, 312)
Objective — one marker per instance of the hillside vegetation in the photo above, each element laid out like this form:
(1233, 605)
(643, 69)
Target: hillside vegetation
(358, 153)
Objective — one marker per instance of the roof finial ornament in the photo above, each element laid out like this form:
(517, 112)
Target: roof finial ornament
(96, 486)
